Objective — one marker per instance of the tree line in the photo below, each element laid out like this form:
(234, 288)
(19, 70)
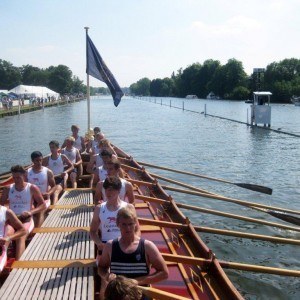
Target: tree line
(228, 81)
(57, 78)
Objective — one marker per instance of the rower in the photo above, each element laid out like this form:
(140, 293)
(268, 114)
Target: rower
(21, 196)
(74, 156)
(130, 255)
(103, 144)
(100, 173)
(104, 218)
(113, 168)
(43, 178)
(7, 216)
(94, 141)
(56, 162)
(96, 160)
(78, 140)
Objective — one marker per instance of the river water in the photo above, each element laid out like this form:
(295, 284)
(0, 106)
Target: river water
(190, 141)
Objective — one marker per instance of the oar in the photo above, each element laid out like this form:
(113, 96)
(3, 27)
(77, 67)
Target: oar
(280, 213)
(283, 216)
(288, 218)
(249, 186)
(240, 234)
(252, 205)
(230, 265)
(159, 294)
(167, 179)
(277, 212)
(228, 215)
(204, 193)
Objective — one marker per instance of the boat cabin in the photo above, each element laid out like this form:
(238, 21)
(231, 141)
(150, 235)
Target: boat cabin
(261, 109)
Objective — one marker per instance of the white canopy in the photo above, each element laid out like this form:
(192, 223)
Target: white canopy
(34, 91)
(262, 93)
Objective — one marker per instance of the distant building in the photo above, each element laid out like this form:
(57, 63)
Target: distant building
(191, 97)
(212, 96)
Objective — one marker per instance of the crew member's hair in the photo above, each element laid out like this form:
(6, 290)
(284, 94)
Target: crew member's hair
(104, 142)
(70, 138)
(127, 212)
(112, 182)
(97, 129)
(36, 154)
(106, 153)
(18, 169)
(55, 143)
(122, 288)
(99, 135)
(116, 163)
(74, 127)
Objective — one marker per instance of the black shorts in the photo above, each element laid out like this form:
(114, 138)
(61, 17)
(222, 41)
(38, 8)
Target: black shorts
(58, 180)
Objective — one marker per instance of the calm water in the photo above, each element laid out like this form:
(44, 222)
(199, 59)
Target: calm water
(188, 141)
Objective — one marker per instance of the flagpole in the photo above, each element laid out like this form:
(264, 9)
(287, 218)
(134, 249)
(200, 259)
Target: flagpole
(88, 87)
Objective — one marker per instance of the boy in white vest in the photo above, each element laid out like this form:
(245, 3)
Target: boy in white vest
(21, 196)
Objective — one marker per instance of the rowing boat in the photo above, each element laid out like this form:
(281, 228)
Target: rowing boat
(194, 271)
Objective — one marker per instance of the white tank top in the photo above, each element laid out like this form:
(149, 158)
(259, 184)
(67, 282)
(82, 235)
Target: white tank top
(96, 149)
(99, 161)
(77, 143)
(20, 201)
(3, 211)
(94, 143)
(71, 155)
(122, 194)
(108, 226)
(56, 165)
(102, 173)
(39, 179)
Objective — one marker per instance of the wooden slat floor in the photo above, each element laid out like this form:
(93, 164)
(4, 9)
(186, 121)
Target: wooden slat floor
(57, 283)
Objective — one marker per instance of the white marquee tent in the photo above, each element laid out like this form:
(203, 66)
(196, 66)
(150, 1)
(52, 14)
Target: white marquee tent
(34, 91)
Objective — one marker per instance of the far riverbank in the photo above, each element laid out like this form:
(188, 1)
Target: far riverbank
(27, 107)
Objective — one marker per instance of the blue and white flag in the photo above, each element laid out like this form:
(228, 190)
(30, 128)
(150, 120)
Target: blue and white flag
(96, 67)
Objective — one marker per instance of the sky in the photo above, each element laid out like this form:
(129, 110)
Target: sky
(148, 38)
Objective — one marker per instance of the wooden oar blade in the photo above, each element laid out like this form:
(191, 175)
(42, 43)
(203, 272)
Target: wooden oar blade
(284, 217)
(255, 187)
